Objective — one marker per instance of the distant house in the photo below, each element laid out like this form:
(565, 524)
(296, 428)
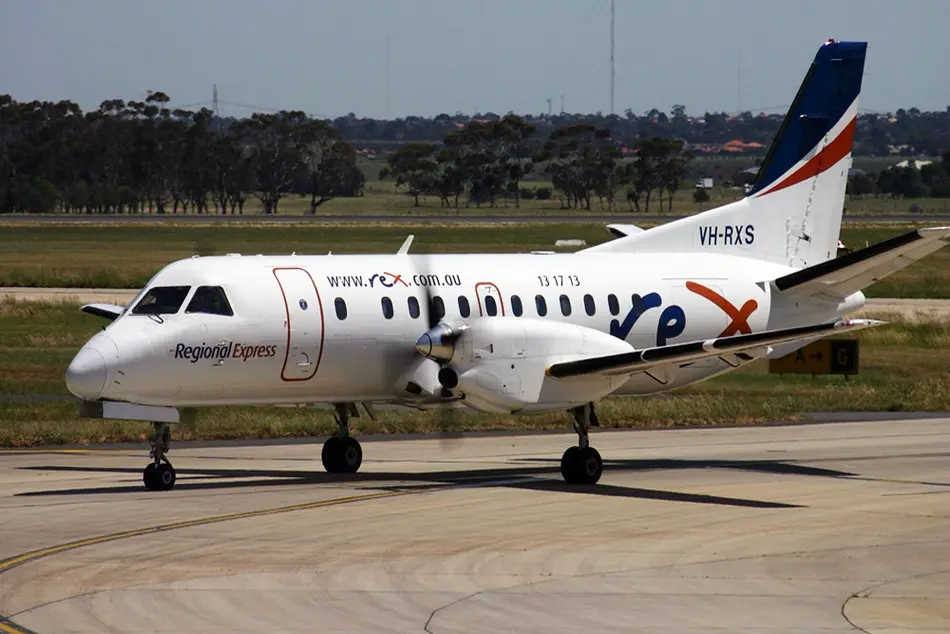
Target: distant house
(917, 164)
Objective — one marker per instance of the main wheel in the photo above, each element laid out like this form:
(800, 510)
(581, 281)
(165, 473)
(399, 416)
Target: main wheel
(331, 454)
(569, 465)
(159, 478)
(590, 466)
(351, 455)
(581, 466)
(148, 477)
(342, 455)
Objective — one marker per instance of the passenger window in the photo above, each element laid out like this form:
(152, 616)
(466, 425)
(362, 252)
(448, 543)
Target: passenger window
(340, 304)
(589, 306)
(413, 307)
(613, 305)
(387, 308)
(438, 307)
(464, 309)
(516, 307)
(210, 300)
(162, 300)
(491, 307)
(565, 305)
(541, 305)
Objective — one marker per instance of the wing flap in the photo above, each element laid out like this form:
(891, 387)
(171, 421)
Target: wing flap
(854, 271)
(680, 353)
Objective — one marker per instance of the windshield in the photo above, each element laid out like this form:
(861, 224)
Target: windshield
(211, 300)
(162, 300)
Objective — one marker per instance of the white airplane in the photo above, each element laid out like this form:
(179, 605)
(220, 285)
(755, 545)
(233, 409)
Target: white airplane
(648, 312)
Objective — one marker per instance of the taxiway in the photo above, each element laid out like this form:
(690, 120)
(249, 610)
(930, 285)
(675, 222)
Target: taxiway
(808, 528)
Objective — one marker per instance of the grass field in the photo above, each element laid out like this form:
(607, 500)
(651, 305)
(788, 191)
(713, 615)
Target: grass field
(126, 256)
(382, 198)
(905, 366)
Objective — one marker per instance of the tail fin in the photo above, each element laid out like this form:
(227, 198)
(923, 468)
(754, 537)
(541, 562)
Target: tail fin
(792, 215)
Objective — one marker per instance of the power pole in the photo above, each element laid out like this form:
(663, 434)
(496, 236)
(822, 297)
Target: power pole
(387, 77)
(611, 57)
(562, 103)
(549, 100)
(739, 84)
(214, 108)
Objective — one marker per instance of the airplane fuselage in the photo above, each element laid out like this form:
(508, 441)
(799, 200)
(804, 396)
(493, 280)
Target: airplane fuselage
(341, 328)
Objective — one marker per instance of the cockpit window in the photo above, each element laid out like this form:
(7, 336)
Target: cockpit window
(211, 300)
(161, 300)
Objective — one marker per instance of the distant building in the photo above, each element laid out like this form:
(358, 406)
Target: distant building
(916, 164)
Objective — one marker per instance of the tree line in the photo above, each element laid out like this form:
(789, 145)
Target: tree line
(132, 156)
(931, 179)
(906, 132)
(488, 160)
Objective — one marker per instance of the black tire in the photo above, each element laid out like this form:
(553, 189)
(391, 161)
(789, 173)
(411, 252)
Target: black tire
(331, 454)
(589, 466)
(148, 477)
(165, 477)
(569, 469)
(350, 455)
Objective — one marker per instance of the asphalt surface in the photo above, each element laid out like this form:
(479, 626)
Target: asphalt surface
(811, 528)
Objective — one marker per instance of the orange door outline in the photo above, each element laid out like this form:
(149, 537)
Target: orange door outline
(478, 297)
(289, 325)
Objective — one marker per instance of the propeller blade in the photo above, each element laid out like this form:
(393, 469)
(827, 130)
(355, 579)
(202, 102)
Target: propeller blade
(434, 312)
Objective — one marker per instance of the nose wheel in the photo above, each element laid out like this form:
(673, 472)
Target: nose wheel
(582, 464)
(342, 453)
(159, 475)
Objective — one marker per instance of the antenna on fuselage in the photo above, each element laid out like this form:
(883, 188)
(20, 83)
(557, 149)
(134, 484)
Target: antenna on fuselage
(404, 249)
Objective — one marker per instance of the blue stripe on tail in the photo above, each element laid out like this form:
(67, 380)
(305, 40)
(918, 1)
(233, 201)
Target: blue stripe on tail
(832, 84)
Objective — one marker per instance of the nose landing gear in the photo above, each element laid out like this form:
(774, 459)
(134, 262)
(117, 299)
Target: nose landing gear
(342, 453)
(159, 475)
(582, 464)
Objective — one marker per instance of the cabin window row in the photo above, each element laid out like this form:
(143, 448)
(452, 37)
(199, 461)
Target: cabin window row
(491, 306)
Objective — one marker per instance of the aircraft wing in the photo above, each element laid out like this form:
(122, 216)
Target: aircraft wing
(108, 311)
(854, 271)
(682, 353)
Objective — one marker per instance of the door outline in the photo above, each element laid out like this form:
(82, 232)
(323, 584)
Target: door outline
(288, 326)
(478, 297)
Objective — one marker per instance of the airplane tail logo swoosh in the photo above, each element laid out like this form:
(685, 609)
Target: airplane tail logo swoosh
(739, 316)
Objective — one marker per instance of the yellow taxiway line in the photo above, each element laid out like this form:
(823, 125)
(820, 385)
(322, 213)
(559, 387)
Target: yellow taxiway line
(9, 627)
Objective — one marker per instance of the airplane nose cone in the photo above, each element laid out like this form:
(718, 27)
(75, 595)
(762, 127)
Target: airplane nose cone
(86, 375)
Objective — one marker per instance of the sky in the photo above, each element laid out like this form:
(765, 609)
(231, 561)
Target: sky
(328, 57)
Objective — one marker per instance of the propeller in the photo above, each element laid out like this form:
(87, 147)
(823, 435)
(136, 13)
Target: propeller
(438, 344)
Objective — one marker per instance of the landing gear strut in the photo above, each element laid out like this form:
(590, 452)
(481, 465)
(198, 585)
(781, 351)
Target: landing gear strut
(341, 452)
(159, 475)
(582, 464)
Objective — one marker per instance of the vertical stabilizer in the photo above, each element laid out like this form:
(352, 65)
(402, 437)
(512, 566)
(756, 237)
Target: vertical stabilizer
(792, 214)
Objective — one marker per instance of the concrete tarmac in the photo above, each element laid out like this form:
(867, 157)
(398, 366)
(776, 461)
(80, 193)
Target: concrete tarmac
(836, 527)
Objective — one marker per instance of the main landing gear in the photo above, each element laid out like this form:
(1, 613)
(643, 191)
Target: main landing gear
(342, 453)
(582, 464)
(159, 475)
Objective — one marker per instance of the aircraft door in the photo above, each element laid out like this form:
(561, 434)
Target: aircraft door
(304, 324)
(490, 301)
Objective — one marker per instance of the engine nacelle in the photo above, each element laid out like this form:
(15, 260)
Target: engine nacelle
(501, 364)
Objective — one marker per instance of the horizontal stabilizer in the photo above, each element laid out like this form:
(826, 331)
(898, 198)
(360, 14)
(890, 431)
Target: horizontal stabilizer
(859, 269)
(681, 353)
(108, 311)
(621, 231)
